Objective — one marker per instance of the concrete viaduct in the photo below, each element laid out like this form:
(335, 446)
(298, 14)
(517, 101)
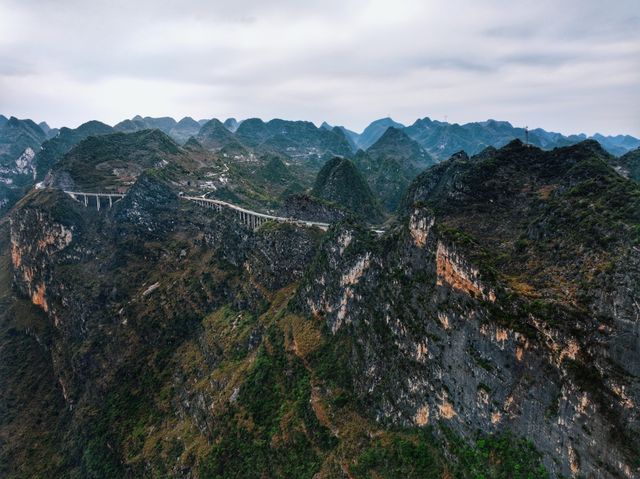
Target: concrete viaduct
(251, 219)
(97, 199)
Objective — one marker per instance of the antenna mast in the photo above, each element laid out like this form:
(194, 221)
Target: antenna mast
(526, 135)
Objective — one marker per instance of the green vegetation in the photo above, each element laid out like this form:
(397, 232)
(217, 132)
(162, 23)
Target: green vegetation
(339, 181)
(497, 457)
(390, 164)
(407, 456)
(273, 428)
(418, 455)
(107, 162)
(213, 372)
(536, 221)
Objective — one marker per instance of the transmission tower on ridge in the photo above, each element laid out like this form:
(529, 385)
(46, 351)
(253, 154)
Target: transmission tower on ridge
(526, 135)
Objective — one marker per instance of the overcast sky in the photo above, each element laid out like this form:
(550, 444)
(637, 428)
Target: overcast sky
(564, 65)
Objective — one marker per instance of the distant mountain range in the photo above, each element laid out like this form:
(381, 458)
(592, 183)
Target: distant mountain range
(388, 154)
(391, 163)
(439, 139)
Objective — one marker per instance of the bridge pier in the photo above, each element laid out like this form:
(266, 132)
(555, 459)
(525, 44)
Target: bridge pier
(85, 198)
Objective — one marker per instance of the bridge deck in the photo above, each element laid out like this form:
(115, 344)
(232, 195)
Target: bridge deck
(280, 219)
(83, 193)
(251, 218)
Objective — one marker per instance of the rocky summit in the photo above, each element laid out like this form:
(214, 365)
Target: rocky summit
(251, 299)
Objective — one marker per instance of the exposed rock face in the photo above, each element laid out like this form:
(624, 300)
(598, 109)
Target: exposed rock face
(41, 238)
(182, 343)
(452, 271)
(420, 225)
(432, 346)
(121, 285)
(145, 203)
(30, 257)
(25, 164)
(628, 165)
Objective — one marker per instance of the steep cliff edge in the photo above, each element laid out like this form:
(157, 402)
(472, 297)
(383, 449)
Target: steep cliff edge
(438, 341)
(32, 407)
(497, 318)
(559, 232)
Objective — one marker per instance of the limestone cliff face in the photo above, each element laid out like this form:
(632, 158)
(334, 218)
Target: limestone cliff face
(25, 164)
(36, 237)
(158, 299)
(438, 341)
(40, 239)
(143, 290)
(452, 271)
(20, 141)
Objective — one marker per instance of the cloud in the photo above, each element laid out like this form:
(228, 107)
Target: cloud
(569, 66)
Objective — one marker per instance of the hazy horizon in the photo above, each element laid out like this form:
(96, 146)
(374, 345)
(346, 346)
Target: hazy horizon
(571, 68)
(319, 124)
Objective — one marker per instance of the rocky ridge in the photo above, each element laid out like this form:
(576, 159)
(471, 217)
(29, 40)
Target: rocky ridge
(502, 304)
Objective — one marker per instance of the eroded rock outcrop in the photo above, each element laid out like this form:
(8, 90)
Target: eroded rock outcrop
(437, 342)
(36, 237)
(188, 343)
